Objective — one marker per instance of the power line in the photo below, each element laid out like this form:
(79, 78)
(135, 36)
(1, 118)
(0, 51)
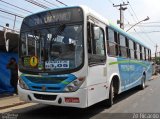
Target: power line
(5, 17)
(151, 23)
(15, 6)
(6, 6)
(44, 3)
(14, 9)
(150, 32)
(133, 10)
(130, 12)
(147, 36)
(141, 37)
(11, 13)
(51, 3)
(37, 4)
(144, 25)
(137, 33)
(61, 3)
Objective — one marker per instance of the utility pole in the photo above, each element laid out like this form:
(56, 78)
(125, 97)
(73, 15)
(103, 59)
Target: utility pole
(156, 53)
(122, 9)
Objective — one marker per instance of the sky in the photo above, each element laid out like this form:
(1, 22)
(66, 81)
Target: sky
(137, 10)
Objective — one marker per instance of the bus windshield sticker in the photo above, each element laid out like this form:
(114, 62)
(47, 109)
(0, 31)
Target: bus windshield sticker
(26, 61)
(33, 61)
(40, 65)
(56, 64)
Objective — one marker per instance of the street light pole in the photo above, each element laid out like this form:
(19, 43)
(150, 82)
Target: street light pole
(138, 23)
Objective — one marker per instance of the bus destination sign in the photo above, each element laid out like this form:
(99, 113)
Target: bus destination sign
(53, 16)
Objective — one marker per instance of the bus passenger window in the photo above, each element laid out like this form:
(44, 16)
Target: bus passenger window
(147, 54)
(111, 43)
(123, 46)
(135, 50)
(138, 51)
(143, 55)
(131, 48)
(141, 58)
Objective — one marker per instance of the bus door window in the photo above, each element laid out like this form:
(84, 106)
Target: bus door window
(96, 44)
(89, 36)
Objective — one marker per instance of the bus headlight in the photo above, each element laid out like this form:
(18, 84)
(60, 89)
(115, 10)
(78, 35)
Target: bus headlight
(22, 84)
(74, 85)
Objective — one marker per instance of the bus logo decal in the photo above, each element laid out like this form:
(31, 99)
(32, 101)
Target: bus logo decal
(43, 88)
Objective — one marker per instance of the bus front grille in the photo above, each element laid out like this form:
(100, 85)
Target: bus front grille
(46, 80)
(45, 97)
(47, 89)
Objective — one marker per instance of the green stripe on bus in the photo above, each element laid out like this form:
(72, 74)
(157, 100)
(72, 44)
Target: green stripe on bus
(65, 82)
(127, 61)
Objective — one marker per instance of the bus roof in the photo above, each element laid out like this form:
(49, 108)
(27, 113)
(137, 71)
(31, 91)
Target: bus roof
(52, 9)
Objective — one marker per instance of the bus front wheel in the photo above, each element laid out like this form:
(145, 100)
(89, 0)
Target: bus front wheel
(111, 95)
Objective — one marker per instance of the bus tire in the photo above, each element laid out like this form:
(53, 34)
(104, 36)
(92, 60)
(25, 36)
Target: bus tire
(142, 85)
(109, 102)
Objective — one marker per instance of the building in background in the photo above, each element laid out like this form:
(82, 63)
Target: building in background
(5, 56)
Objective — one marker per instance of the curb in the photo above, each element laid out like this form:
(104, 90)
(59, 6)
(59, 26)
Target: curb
(13, 105)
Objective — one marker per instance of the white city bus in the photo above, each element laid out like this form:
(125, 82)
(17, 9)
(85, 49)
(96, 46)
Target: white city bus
(74, 57)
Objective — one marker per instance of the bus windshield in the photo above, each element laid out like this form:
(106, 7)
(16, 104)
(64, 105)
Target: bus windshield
(58, 48)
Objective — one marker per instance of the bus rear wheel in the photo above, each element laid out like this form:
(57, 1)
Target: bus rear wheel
(142, 85)
(111, 96)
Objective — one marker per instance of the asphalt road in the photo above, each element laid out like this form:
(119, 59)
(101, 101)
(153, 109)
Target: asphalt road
(130, 104)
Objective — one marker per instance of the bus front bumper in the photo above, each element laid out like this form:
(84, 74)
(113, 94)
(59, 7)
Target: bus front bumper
(69, 99)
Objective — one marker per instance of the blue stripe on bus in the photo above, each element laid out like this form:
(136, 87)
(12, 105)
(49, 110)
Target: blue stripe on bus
(57, 87)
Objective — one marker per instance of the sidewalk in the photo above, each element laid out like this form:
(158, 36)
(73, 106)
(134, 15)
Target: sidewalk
(155, 77)
(10, 101)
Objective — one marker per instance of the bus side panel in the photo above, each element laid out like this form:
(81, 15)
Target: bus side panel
(96, 83)
(113, 70)
(148, 71)
(123, 66)
(136, 69)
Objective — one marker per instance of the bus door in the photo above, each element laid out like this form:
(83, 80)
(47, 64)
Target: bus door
(96, 62)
